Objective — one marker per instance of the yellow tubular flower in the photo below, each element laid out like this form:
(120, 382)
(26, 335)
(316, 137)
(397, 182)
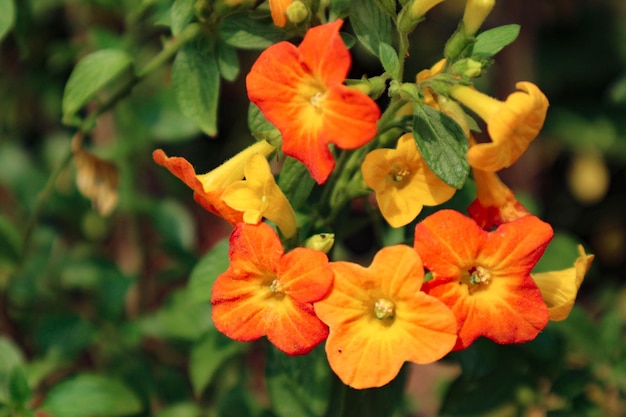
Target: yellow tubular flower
(403, 182)
(512, 124)
(559, 288)
(259, 196)
(420, 7)
(476, 11)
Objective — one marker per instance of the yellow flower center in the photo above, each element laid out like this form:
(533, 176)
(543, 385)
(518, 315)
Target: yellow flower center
(384, 309)
(277, 287)
(316, 100)
(476, 278)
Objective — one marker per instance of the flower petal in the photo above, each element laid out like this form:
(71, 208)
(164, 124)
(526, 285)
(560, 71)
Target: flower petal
(255, 250)
(325, 53)
(305, 274)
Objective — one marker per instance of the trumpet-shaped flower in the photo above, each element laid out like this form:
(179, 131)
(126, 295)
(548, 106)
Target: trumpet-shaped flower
(265, 292)
(259, 196)
(484, 277)
(208, 188)
(403, 182)
(475, 13)
(559, 288)
(379, 318)
(495, 203)
(511, 124)
(300, 91)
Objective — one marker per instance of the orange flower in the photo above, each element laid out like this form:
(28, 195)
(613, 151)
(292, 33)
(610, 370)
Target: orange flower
(484, 277)
(279, 11)
(559, 288)
(265, 292)
(300, 91)
(379, 318)
(403, 182)
(208, 188)
(511, 124)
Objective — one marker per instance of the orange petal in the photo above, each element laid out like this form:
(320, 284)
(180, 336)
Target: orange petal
(448, 241)
(324, 52)
(279, 9)
(255, 249)
(305, 274)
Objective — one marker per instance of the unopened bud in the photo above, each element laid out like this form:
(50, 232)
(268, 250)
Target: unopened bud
(322, 242)
(413, 12)
(476, 11)
(297, 12)
(468, 68)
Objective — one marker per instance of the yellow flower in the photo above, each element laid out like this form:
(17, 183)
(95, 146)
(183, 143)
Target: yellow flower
(259, 196)
(420, 7)
(208, 188)
(511, 124)
(403, 182)
(559, 288)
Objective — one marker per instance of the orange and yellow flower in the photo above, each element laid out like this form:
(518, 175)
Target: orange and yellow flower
(484, 277)
(403, 182)
(259, 196)
(379, 319)
(208, 188)
(265, 292)
(300, 90)
(511, 124)
(495, 203)
(559, 288)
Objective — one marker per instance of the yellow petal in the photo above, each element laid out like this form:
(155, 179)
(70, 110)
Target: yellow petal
(559, 288)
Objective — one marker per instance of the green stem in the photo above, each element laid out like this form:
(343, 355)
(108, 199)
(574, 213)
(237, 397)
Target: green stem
(403, 48)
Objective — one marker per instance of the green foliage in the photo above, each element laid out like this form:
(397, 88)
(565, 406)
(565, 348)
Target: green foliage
(111, 316)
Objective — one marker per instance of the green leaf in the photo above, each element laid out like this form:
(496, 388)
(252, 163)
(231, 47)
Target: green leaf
(256, 120)
(296, 182)
(389, 59)
(10, 241)
(91, 74)
(10, 356)
(490, 42)
(7, 17)
(338, 9)
(87, 395)
(371, 25)
(196, 83)
(298, 386)
(207, 355)
(243, 32)
(442, 143)
(227, 60)
(19, 391)
(174, 223)
(182, 319)
(181, 13)
(186, 409)
(206, 271)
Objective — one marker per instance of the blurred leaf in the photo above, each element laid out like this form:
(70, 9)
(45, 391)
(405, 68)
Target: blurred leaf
(389, 59)
(88, 395)
(298, 386)
(228, 61)
(371, 25)
(338, 9)
(39, 368)
(182, 12)
(208, 354)
(490, 42)
(571, 383)
(243, 32)
(295, 182)
(182, 319)
(257, 121)
(442, 143)
(560, 253)
(236, 403)
(7, 17)
(10, 356)
(174, 223)
(65, 332)
(180, 410)
(10, 241)
(206, 271)
(196, 83)
(19, 391)
(92, 73)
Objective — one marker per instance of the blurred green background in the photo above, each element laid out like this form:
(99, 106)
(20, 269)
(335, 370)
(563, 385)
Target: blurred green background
(117, 302)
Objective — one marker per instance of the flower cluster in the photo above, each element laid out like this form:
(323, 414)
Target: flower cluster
(374, 319)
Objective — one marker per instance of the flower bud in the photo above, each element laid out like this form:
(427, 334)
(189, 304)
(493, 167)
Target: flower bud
(413, 12)
(297, 12)
(476, 11)
(322, 242)
(468, 68)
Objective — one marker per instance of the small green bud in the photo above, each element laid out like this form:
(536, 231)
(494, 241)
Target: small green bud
(409, 91)
(468, 68)
(322, 242)
(297, 12)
